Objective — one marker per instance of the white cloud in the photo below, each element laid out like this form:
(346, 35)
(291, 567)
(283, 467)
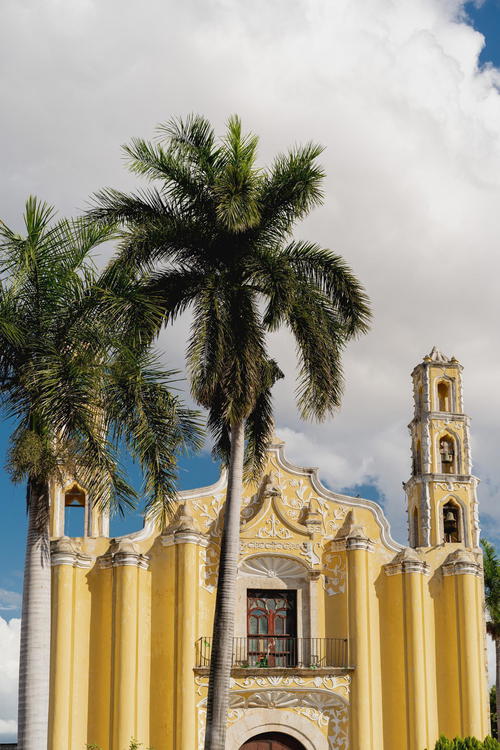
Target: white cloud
(9, 667)
(9, 600)
(410, 123)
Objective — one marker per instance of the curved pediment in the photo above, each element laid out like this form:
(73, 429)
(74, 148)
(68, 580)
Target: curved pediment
(289, 502)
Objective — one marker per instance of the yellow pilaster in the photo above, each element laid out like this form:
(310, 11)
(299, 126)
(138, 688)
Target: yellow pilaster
(361, 720)
(186, 544)
(416, 678)
(60, 711)
(101, 588)
(126, 562)
(80, 676)
(163, 618)
(143, 656)
(465, 571)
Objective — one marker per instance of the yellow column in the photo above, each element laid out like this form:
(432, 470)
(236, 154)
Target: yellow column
(448, 661)
(415, 656)
(466, 571)
(60, 712)
(100, 582)
(144, 657)
(361, 721)
(187, 550)
(125, 562)
(163, 618)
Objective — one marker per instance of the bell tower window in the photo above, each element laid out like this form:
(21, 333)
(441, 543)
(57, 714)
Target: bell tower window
(451, 522)
(447, 455)
(444, 396)
(74, 511)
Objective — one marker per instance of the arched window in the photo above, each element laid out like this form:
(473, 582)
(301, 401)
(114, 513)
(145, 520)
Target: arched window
(451, 522)
(415, 528)
(444, 396)
(447, 455)
(74, 511)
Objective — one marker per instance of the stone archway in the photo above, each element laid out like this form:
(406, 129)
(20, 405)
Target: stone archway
(258, 721)
(272, 741)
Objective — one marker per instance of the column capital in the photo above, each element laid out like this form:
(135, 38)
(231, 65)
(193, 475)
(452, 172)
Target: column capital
(123, 552)
(66, 551)
(406, 561)
(461, 562)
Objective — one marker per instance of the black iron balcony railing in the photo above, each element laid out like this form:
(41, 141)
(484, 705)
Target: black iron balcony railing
(280, 651)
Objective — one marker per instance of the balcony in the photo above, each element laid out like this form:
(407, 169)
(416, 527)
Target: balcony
(280, 652)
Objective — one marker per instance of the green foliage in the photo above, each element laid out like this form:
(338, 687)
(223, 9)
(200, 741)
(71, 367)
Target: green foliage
(493, 711)
(491, 565)
(77, 372)
(467, 743)
(214, 233)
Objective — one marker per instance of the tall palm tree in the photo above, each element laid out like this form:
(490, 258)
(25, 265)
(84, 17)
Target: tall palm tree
(491, 566)
(217, 229)
(79, 384)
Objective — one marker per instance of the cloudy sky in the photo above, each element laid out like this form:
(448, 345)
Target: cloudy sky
(405, 98)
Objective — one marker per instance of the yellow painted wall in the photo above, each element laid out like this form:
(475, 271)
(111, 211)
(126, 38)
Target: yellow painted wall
(126, 615)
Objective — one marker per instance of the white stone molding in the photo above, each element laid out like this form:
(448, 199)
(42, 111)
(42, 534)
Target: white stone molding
(426, 446)
(256, 721)
(65, 552)
(407, 561)
(425, 514)
(461, 562)
(123, 552)
(272, 566)
(426, 388)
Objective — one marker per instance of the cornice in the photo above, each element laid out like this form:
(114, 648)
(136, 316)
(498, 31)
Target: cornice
(122, 553)
(461, 562)
(64, 551)
(407, 561)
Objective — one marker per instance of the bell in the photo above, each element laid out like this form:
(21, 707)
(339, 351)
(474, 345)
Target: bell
(450, 523)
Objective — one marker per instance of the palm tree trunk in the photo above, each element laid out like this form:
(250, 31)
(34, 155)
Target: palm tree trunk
(497, 682)
(35, 626)
(223, 631)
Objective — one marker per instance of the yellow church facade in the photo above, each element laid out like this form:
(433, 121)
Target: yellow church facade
(344, 639)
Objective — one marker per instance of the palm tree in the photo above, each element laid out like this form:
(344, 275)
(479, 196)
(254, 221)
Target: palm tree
(79, 384)
(217, 229)
(491, 566)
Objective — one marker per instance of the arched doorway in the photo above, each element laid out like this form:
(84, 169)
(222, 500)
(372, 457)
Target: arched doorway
(272, 741)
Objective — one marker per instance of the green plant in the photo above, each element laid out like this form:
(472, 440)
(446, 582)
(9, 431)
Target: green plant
(467, 743)
(79, 382)
(493, 711)
(491, 566)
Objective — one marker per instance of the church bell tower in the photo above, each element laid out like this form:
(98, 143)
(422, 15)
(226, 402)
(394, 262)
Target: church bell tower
(441, 492)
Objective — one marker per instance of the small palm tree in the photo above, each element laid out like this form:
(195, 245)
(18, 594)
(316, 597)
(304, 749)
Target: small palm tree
(218, 231)
(491, 565)
(79, 384)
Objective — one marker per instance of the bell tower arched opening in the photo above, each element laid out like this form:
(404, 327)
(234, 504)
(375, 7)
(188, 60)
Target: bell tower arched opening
(452, 523)
(447, 455)
(74, 511)
(444, 396)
